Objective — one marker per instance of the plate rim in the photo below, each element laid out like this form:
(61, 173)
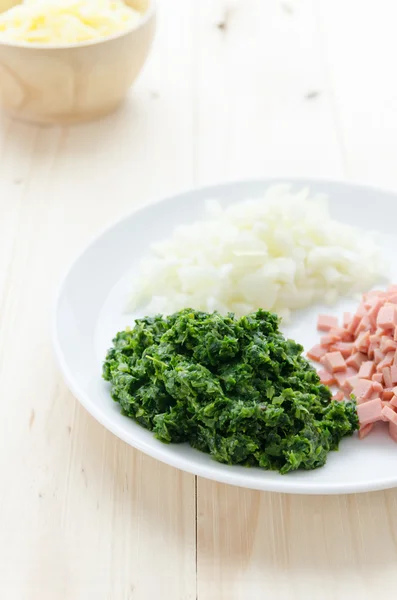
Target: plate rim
(285, 484)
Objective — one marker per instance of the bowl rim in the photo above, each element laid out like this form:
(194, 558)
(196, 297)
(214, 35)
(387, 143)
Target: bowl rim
(146, 17)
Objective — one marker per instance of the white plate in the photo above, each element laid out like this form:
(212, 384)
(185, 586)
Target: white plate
(90, 309)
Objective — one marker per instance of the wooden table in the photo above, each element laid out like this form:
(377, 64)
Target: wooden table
(249, 88)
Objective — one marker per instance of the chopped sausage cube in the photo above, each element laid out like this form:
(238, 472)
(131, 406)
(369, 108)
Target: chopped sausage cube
(334, 362)
(326, 322)
(389, 414)
(387, 317)
(367, 369)
(370, 412)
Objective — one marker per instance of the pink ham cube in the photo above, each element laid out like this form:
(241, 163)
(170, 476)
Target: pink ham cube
(317, 352)
(326, 322)
(342, 376)
(367, 369)
(389, 414)
(362, 341)
(365, 430)
(386, 362)
(370, 411)
(387, 344)
(387, 394)
(326, 378)
(347, 319)
(387, 317)
(350, 384)
(377, 387)
(355, 360)
(327, 340)
(345, 348)
(334, 362)
(362, 390)
(386, 372)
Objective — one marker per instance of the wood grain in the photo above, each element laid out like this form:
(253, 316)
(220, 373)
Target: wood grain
(233, 89)
(276, 112)
(82, 515)
(278, 546)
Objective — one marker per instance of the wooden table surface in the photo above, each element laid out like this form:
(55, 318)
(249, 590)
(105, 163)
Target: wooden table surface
(248, 88)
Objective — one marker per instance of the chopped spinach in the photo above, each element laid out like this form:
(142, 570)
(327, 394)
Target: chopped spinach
(234, 388)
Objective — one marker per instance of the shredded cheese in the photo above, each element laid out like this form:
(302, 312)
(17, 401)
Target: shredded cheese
(65, 21)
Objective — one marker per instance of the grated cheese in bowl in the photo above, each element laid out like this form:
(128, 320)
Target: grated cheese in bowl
(65, 21)
(282, 253)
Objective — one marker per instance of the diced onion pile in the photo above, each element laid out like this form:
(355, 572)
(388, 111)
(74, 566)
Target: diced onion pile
(65, 21)
(282, 253)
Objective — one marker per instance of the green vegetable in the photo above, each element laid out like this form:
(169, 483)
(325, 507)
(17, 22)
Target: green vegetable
(236, 389)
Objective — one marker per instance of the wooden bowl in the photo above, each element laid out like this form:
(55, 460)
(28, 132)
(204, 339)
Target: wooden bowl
(73, 82)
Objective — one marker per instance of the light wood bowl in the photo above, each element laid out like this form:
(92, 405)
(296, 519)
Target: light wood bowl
(75, 82)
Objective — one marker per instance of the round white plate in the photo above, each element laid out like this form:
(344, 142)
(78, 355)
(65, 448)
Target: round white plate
(91, 308)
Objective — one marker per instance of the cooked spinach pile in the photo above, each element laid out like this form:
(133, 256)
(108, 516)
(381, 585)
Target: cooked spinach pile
(235, 388)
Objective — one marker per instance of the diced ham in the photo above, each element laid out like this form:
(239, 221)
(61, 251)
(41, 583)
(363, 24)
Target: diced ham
(334, 362)
(372, 293)
(362, 341)
(347, 318)
(345, 348)
(360, 358)
(326, 322)
(370, 301)
(317, 352)
(389, 414)
(377, 377)
(339, 396)
(375, 339)
(354, 323)
(342, 376)
(362, 390)
(387, 317)
(387, 394)
(326, 378)
(363, 326)
(373, 313)
(387, 344)
(327, 340)
(365, 430)
(378, 356)
(386, 362)
(367, 369)
(355, 360)
(350, 384)
(342, 333)
(384, 403)
(377, 387)
(370, 412)
(386, 372)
